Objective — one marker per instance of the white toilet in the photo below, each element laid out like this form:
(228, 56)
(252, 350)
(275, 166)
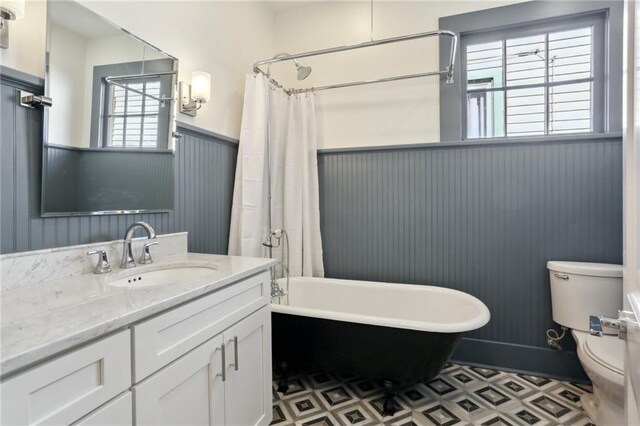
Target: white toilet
(577, 291)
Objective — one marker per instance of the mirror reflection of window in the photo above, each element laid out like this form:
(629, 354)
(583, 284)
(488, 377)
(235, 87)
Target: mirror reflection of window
(131, 104)
(132, 118)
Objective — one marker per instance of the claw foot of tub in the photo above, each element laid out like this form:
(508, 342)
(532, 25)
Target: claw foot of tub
(389, 406)
(283, 382)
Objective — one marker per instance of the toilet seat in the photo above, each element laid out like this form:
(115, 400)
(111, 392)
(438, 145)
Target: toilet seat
(607, 351)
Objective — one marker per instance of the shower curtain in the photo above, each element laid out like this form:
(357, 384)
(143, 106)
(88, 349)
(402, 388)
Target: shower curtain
(290, 122)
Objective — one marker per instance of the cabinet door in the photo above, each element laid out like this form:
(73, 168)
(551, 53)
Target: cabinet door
(117, 412)
(190, 391)
(248, 394)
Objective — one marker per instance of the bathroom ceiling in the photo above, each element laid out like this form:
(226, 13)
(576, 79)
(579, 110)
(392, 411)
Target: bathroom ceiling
(81, 20)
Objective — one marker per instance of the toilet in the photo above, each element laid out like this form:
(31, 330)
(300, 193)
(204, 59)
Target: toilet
(578, 290)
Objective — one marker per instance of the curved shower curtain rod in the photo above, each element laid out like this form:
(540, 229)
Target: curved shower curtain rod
(448, 71)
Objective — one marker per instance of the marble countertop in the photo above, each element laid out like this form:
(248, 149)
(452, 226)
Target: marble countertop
(43, 319)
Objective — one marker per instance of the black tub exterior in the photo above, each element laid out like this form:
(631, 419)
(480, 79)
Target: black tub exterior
(376, 352)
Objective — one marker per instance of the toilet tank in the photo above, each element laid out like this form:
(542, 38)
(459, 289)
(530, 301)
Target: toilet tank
(581, 289)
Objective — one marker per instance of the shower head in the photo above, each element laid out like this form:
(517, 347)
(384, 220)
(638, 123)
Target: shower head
(303, 71)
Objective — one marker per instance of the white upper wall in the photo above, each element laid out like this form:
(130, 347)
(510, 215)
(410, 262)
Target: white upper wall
(67, 72)
(27, 40)
(221, 38)
(224, 38)
(386, 114)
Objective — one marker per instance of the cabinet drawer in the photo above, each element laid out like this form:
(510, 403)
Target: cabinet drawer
(66, 388)
(118, 412)
(166, 337)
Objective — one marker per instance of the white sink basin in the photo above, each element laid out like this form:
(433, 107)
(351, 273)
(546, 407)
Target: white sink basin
(158, 275)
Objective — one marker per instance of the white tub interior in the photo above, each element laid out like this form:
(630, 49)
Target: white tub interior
(415, 307)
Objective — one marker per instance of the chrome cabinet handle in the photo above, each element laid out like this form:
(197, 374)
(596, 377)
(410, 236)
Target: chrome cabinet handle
(224, 363)
(561, 276)
(212, 372)
(235, 353)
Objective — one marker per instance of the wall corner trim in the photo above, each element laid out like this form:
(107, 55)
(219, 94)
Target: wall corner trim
(21, 80)
(482, 143)
(203, 133)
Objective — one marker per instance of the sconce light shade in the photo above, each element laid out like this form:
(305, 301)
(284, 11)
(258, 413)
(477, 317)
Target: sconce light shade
(12, 9)
(200, 86)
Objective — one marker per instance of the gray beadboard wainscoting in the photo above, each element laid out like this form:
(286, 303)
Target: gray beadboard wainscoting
(75, 179)
(205, 170)
(483, 219)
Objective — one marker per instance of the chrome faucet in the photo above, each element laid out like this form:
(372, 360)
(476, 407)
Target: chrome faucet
(102, 267)
(127, 253)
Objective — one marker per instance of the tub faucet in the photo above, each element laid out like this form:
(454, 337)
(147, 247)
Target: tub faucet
(277, 234)
(276, 290)
(127, 252)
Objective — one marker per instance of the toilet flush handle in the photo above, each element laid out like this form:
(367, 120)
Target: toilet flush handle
(564, 277)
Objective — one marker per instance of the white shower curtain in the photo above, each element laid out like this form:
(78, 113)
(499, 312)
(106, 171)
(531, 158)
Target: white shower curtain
(294, 177)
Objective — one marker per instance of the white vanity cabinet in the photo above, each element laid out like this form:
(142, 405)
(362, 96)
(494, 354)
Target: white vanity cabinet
(63, 390)
(224, 381)
(205, 362)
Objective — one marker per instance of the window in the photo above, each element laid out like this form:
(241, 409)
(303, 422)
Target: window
(537, 80)
(133, 115)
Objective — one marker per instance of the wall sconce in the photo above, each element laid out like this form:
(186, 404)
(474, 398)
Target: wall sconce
(9, 11)
(193, 95)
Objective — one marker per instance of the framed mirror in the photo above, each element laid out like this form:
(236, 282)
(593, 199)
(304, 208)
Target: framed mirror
(109, 135)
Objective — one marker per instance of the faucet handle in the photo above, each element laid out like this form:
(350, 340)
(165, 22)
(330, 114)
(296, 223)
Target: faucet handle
(145, 258)
(102, 266)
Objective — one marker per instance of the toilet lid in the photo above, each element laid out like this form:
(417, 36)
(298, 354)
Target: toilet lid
(607, 350)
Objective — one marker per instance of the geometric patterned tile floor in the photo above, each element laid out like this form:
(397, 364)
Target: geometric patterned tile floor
(460, 395)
